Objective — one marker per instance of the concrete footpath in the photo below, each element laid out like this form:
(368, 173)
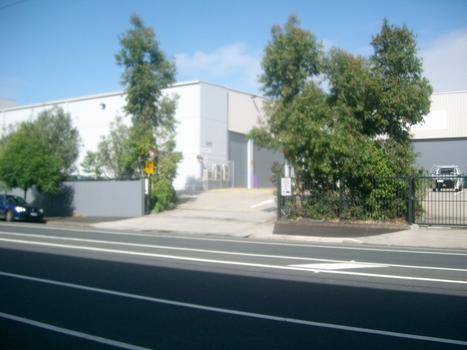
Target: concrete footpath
(252, 213)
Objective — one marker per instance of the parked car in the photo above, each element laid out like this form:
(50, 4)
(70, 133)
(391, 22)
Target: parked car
(16, 208)
(446, 176)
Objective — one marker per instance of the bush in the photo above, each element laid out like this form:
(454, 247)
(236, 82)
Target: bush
(163, 195)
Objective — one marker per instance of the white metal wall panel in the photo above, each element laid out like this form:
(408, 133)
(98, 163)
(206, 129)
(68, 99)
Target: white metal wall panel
(188, 135)
(244, 111)
(214, 138)
(447, 118)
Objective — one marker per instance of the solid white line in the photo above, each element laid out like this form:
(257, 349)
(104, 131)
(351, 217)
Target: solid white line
(249, 241)
(235, 263)
(222, 252)
(241, 313)
(338, 266)
(262, 203)
(70, 332)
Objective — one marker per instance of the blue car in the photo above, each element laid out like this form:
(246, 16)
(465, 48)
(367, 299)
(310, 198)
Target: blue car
(16, 208)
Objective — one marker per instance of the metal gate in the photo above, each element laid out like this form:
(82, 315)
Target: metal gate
(421, 200)
(440, 206)
(218, 175)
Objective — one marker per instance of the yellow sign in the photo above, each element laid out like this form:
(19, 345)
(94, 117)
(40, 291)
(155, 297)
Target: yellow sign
(149, 168)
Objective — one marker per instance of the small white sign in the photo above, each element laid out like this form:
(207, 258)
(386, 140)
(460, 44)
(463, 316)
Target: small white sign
(286, 186)
(205, 150)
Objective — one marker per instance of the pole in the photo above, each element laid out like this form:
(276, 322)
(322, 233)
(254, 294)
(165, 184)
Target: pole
(279, 198)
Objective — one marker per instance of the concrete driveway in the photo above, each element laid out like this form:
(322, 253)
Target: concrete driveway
(247, 211)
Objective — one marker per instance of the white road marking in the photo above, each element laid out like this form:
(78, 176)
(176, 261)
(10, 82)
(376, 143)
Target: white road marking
(235, 263)
(222, 252)
(241, 313)
(338, 266)
(228, 239)
(262, 203)
(72, 333)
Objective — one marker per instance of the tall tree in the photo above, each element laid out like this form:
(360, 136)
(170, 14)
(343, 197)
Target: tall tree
(147, 71)
(292, 63)
(400, 93)
(291, 59)
(363, 120)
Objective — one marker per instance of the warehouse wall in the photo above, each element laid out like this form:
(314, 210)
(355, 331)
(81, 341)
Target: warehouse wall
(441, 152)
(91, 198)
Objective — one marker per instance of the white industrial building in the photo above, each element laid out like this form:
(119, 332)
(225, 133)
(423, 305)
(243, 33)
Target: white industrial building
(213, 121)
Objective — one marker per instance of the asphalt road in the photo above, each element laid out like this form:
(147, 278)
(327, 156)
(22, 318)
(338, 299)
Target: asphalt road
(84, 289)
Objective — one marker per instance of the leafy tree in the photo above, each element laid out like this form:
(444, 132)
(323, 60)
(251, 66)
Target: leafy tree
(93, 164)
(115, 156)
(40, 152)
(291, 63)
(357, 129)
(147, 71)
(123, 153)
(54, 129)
(400, 95)
(291, 59)
(369, 108)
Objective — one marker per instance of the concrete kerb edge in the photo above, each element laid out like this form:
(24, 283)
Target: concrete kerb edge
(310, 223)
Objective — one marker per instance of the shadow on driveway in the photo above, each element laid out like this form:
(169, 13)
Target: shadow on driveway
(338, 230)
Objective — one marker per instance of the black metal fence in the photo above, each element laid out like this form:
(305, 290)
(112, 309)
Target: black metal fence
(383, 199)
(442, 205)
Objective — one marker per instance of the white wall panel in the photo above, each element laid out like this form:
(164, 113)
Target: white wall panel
(213, 142)
(447, 118)
(244, 111)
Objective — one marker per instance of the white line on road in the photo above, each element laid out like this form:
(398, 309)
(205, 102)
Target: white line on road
(235, 263)
(242, 313)
(338, 266)
(72, 333)
(222, 252)
(425, 250)
(262, 203)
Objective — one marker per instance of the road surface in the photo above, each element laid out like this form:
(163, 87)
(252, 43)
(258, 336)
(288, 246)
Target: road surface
(63, 288)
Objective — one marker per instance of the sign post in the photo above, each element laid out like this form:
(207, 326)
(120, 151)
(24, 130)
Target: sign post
(149, 169)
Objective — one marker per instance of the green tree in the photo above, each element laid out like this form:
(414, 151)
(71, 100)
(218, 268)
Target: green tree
(400, 95)
(292, 63)
(357, 129)
(147, 71)
(116, 155)
(365, 117)
(55, 131)
(123, 153)
(291, 59)
(40, 152)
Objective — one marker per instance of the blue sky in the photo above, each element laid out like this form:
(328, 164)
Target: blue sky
(58, 49)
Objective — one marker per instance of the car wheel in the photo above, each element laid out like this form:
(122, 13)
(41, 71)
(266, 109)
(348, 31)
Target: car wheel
(9, 216)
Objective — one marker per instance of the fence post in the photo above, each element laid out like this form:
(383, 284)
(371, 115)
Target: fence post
(279, 199)
(411, 201)
(341, 193)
